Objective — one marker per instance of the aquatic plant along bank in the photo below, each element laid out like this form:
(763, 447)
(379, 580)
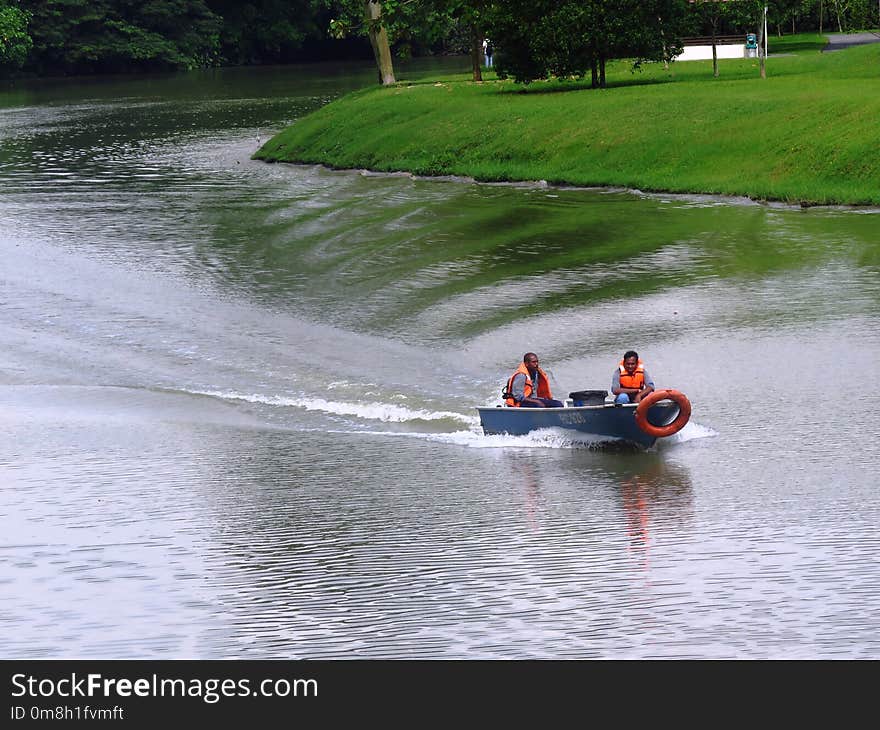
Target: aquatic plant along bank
(806, 134)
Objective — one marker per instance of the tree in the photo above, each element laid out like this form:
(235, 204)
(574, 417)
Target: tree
(378, 36)
(711, 12)
(402, 24)
(371, 18)
(471, 14)
(88, 36)
(542, 38)
(738, 14)
(265, 31)
(757, 11)
(15, 42)
(787, 11)
(852, 15)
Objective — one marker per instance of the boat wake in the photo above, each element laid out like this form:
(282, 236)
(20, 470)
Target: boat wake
(372, 411)
(473, 437)
(549, 438)
(690, 432)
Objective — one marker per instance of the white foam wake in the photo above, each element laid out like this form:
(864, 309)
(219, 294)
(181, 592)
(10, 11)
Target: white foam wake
(384, 412)
(545, 438)
(548, 438)
(690, 432)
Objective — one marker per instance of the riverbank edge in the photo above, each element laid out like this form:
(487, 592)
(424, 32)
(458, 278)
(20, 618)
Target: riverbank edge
(619, 139)
(604, 189)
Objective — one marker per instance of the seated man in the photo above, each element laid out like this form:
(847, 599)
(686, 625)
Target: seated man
(529, 387)
(631, 381)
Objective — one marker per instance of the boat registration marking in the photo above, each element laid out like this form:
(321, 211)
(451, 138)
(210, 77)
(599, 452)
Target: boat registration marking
(571, 418)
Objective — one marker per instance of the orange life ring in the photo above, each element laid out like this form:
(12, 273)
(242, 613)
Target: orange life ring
(684, 413)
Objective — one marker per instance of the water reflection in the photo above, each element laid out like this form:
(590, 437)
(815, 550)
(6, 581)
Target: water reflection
(531, 491)
(654, 493)
(657, 496)
(309, 564)
(437, 261)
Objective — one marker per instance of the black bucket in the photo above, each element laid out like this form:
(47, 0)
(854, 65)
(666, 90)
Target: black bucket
(588, 397)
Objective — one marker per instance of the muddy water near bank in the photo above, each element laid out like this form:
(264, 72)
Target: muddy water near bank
(236, 401)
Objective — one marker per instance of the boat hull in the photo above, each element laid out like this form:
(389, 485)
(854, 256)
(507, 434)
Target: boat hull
(608, 422)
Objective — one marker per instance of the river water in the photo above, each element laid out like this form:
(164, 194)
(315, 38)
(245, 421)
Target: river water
(237, 400)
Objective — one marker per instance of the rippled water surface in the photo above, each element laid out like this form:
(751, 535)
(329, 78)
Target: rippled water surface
(237, 400)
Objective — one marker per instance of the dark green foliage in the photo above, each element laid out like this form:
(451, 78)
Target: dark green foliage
(267, 31)
(533, 38)
(88, 36)
(538, 39)
(414, 27)
(111, 36)
(15, 41)
(784, 17)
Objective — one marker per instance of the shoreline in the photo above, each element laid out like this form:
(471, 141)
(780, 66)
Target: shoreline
(677, 132)
(717, 198)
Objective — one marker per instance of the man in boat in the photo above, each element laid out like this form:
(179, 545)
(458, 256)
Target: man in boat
(631, 381)
(529, 386)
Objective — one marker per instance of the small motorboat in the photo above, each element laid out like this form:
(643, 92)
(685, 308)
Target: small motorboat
(658, 415)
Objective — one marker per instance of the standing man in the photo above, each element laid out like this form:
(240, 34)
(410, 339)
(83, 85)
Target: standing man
(529, 387)
(488, 51)
(631, 381)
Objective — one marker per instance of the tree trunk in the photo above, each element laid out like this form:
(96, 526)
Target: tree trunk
(379, 41)
(714, 47)
(762, 42)
(602, 71)
(821, 15)
(594, 73)
(663, 43)
(476, 47)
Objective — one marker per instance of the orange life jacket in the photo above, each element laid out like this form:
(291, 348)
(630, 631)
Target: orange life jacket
(543, 384)
(636, 380)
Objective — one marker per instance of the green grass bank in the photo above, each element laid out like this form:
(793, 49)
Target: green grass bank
(808, 133)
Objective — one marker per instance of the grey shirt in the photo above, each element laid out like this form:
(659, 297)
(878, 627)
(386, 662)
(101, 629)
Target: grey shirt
(615, 380)
(518, 386)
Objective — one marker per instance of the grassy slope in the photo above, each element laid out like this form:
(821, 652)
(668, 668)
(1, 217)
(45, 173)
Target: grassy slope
(808, 133)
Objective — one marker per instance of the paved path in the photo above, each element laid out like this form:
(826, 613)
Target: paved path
(839, 41)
